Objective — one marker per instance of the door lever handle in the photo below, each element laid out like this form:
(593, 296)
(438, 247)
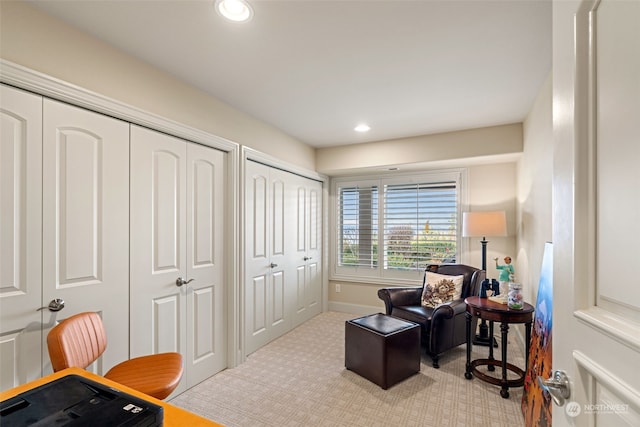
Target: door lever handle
(307, 258)
(181, 282)
(56, 304)
(557, 386)
(273, 265)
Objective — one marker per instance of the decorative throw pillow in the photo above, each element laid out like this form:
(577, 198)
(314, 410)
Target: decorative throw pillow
(440, 288)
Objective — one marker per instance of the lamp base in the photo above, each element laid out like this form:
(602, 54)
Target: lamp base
(485, 341)
(483, 338)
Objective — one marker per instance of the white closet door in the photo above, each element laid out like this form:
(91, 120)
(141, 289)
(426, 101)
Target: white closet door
(206, 326)
(158, 243)
(314, 248)
(178, 192)
(85, 232)
(306, 248)
(20, 237)
(280, 275)
(265, 290)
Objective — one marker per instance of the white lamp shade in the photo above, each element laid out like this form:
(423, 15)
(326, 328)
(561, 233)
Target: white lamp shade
(481, 224)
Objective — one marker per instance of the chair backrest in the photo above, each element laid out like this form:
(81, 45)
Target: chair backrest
(473, 277)
(76, 341)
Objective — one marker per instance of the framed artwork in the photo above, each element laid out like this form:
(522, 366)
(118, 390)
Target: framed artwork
(536, 407)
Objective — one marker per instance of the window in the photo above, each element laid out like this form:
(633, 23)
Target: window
(393, 227)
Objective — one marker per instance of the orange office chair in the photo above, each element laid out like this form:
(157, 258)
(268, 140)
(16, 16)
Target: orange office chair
(79, 340)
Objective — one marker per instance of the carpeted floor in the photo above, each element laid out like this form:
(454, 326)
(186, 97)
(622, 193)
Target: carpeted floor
(300, 380)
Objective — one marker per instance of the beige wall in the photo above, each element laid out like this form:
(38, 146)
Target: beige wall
(491, 188)
(41, 43)
(535, 173)
(421, 151)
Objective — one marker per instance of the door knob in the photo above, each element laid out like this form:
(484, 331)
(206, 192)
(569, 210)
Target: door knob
(180, 281)
(54, 305)
(307, 258)
(557, 386)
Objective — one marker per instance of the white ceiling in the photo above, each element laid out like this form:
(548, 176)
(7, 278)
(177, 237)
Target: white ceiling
(314, 69)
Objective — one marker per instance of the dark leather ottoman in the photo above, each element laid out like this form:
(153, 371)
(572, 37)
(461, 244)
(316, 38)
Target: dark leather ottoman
(383, 349)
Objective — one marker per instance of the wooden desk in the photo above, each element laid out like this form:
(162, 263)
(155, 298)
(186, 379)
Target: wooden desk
(173, 416)
(484, 308)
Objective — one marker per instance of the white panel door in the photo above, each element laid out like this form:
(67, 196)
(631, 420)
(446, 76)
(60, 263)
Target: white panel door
(280, 284)
(265, 290)
(158, 243)
(206, 325)
(596, 215)
(85, 232)
(20, 237)
(178, 192)
(305, 249)
(257, 256)
(314, 247)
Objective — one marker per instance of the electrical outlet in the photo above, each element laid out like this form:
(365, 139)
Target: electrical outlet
(338, 287)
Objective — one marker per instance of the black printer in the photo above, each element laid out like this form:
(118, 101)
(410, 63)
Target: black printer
(77, 401)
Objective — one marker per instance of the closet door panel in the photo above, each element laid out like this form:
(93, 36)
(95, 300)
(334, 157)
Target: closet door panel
(257, 208)
(279, 275)
(166, 320)
(20, 237)
(257, 249)
(301, 289)
(166, 198)
(300, 251)
(79, 189)
(277, 200)
(204, 333)
(277, 301)
(257, 300)
(158, 243)
(301, 219)
(314, 247)
(307, 254)
(85, 230)
(206, 325)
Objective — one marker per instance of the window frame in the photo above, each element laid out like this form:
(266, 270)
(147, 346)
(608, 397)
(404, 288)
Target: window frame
(380, 275)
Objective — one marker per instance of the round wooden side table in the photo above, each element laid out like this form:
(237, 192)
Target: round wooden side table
(483, 308)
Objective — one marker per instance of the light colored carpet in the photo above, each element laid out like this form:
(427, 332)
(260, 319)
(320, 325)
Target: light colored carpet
(300, 380)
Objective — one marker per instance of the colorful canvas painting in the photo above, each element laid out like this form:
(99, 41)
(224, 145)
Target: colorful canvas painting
(536, 407)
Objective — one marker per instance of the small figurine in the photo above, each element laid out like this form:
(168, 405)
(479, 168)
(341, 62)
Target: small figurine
(506, 270)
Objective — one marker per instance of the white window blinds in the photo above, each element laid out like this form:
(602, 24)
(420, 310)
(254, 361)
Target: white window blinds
(420, 224)
(391, 226)
(358, 226)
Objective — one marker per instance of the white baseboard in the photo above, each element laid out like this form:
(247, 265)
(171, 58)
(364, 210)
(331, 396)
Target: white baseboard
(363, 310)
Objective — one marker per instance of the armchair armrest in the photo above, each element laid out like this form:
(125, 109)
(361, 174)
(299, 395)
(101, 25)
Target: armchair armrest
(394, 297)
(447, 328)
(447, 311)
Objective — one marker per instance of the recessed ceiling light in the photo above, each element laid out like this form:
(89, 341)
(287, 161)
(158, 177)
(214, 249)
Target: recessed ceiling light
(363, 127)
(234, 10)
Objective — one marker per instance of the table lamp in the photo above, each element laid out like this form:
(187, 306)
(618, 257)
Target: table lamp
(483, 224)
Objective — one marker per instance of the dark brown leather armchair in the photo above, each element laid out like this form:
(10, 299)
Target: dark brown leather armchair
(443, 327)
